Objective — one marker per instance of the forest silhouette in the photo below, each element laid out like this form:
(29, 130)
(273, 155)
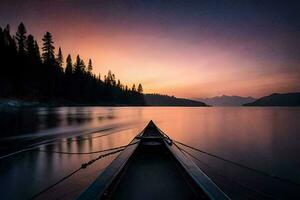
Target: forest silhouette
(31, 73)
(27, 73)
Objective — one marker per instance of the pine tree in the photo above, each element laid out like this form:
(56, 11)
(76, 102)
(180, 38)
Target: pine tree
(69, 66)
(33, 50)
(9, 41)
(133, 89)
(30, 44)
(59, 58)
(90, 66)
(114, 80)
(82, 66)
(21, 38)
(33, 54)
(48, 49)
(109, 78)
(37, 53)
(140, 88)
(119, 83)
(78, 66)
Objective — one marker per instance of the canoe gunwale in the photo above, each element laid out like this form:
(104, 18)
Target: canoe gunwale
(206, 184)
(101, 187)
(98, 187)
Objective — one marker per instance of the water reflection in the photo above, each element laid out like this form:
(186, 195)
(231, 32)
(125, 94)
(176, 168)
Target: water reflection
(22, 127)
(18, 122)
(263, 138)
(27, 121)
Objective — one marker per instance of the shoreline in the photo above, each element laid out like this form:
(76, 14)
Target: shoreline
(14, 103)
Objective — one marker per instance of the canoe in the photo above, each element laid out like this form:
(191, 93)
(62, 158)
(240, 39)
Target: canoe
(152, 167)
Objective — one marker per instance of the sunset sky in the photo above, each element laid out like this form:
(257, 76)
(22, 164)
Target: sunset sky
(184, 48)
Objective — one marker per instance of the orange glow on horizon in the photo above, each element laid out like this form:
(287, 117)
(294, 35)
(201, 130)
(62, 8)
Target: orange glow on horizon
(171, 65)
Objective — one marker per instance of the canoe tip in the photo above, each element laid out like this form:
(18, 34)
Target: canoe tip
(151, 122)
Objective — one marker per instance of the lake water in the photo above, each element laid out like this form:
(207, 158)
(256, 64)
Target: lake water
(267, 139)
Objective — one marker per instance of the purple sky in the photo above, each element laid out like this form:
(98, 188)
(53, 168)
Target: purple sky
(184, 48)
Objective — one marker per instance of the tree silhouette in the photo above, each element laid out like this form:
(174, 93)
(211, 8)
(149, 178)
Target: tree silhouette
(140, 88)
(78, 66)
(90, 66)
(82, 67)
(21, 38)
(60, 59)
(133, 89)
(69, 66)
(48, 49)
(33, 62)
(37, 53)
(33, 50)
(30, 45)
(119, 85)
(25, 74)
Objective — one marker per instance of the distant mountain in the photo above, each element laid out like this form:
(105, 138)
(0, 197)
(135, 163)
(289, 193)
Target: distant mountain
(288, 99)
(225, 100)
(165, 100)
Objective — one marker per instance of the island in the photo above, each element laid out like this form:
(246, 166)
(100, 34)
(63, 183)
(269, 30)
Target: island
(276, 99)
(165, 100)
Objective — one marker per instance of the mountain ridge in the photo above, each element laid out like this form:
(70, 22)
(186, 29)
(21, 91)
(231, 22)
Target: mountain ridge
(277, 99)
(226, 100)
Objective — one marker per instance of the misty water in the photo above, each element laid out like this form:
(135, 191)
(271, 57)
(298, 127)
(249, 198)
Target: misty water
(267, 139)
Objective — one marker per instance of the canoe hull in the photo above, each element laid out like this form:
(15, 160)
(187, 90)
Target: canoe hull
(153, 168)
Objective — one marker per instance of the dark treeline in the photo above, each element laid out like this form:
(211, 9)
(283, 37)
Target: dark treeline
(165, 100)
(27, 73)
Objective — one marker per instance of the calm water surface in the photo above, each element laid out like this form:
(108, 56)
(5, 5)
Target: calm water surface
(263, 138)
